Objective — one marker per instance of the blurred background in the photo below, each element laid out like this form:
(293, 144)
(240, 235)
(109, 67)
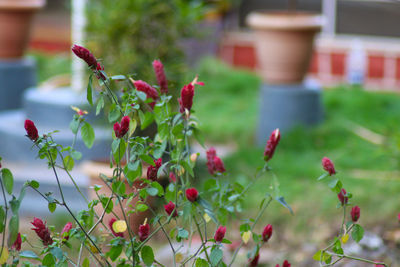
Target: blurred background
(352, 72)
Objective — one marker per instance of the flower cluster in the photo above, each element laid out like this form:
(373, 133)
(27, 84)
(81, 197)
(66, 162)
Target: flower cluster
(120, 129)
(214, 163)
(31, 130)
(272, 143)
(42, 231)
(160, 75)
(153, 170)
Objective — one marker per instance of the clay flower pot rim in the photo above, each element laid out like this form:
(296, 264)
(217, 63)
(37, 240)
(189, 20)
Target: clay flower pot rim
(22, 4)
(281, 20)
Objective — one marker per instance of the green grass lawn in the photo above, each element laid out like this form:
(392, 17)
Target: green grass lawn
(228, 109)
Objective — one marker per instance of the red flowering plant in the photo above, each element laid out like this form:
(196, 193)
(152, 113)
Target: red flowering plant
(188, 209)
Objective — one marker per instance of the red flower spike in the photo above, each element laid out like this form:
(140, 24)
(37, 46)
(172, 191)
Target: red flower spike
(267, 233)
(286, 264)
(254, 261)
(110, 225)
(219, 165)
(186, 99)
(169, 208)
(192, 194)
(144, 231)
(272, 143)
(31, 130)
(152, 170)
(219, 234)
(172, 177)
(150, 91)
(42, 231)
(17, 243)
(342, 197)
(355, 213)
(65, 231)
(120, 129)
(85, 54)
(160, 75)
(328, 166)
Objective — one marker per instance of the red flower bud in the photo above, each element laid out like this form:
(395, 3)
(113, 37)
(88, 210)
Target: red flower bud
(342, 196)
(214, 163)
(150, 91)
(272, 144)
(31, 130)
(65, 231)
(169, 208)
(144, 231)
(172, 177)
(328, 166)
(121, 129)
(186, 99)
(152, 170)
(110, 225)
(42, 231)
(355, 213)
(84, 54)
(267, 233)
(254, 261)
(192, 194)
(286, 264)
(17, 243)
(160, 74)
(219, 234)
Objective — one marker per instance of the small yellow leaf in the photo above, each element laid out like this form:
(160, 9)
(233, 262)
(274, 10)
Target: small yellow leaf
(206, 217)
(119, 226)
(4, 255)
(178, 257)
(345, 238)
(93, 249)
(246, 236)
(181, 171)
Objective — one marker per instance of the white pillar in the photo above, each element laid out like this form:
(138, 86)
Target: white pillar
(329, 11)
(78, 22)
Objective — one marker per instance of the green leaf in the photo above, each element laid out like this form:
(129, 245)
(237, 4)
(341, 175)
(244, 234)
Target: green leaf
(69, 163)
(76, 155)
(100, 105)
(357, 233)
(57, 252)
(88, 136)
(74, 124)
(152, 191)
(114, 113)
(2, 217)
(34, 184)
(147, 159)
(141, 207)
(201, 263)
(283, 202)
(322, 176)
(13, 227)
(147, 255)
(114, 252)
(8, 180)
(159, 188)
(49, 260)
(89, 90)
(199, 136)
(182, 233)
(216, 256)
(52, 206)
(146, 120)
(118, 77)
(86, 262)
(120, 151)
(28, 254)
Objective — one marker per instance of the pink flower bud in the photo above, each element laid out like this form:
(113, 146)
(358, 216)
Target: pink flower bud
(267, 233)
(219, 234)
(342, 196)
(160, 75)
(169, 208)
(192, 194)
(214, 163)
(152, 170)
(328, 166)
(65, 231)
(144, 231)
(355, 213)
(110, 225)
(272, 144)
(31, 130)
(18, 242)
(42, 231)
(219, 165)
(254, 261)
(286, 264)
(84, 54)
(186, 99)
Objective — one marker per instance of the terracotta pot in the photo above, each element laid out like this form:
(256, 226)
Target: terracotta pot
(93, 170)
(15, 25)
(284, 44)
